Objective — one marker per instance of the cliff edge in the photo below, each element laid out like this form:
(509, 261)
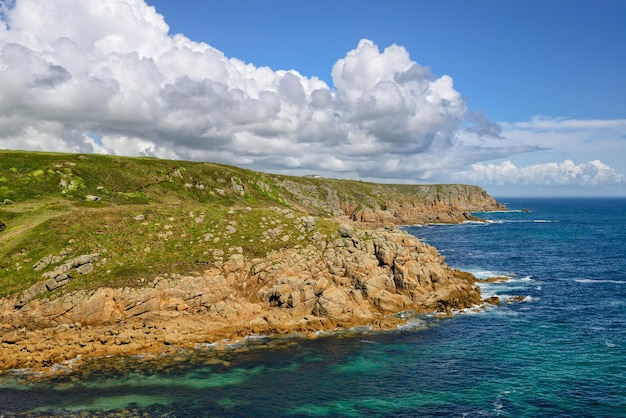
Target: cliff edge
(103, 255)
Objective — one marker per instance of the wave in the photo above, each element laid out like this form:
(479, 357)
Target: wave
(600, 281)
(520, 221)
(484, 222)
(485, 274)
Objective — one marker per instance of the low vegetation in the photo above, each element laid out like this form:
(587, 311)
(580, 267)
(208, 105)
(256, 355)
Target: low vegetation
(145, 217)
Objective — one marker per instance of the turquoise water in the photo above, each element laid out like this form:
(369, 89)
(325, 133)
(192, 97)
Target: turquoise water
(561, 352)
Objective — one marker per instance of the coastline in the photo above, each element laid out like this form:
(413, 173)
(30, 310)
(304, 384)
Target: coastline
(105, 255)
(361, 278)
(480, 361)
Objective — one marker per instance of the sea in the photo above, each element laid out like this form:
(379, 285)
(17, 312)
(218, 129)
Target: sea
(554, 347)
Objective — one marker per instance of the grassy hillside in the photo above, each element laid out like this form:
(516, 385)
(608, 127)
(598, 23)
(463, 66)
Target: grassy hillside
(146, 217)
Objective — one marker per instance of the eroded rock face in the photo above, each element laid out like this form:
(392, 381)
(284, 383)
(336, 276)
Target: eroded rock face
(444, 203)
(360, 277)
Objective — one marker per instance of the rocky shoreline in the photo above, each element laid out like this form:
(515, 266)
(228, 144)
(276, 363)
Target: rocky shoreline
(103, 255)
(359, 276)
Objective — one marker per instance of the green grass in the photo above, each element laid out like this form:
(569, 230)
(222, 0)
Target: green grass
(170, 239)
(45, 207)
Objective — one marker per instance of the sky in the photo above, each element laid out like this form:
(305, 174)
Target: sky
(523, 98)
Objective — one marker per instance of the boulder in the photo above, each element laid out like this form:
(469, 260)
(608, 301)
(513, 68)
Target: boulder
(309, 223)
(388, 302)
(46, 261)
(31, 293)
(85, 268)
(386, 252)
(332, 303)
(51, 284)
(346, 230)
(493, 300)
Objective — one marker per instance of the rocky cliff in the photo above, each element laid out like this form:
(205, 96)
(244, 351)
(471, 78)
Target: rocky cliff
(389, 203)
(149, 255)
(360, 277)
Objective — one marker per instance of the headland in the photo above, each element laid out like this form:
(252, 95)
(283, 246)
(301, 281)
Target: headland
(104, 255)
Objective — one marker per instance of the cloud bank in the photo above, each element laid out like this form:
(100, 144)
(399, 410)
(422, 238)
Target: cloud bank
(567, 173)
(109, 78)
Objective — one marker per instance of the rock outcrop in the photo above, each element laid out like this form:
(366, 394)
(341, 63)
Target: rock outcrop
(397, 204)
(359, 277)
(208, 252)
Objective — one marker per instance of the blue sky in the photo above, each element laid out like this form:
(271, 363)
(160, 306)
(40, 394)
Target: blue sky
(520, 97)
(511, 59)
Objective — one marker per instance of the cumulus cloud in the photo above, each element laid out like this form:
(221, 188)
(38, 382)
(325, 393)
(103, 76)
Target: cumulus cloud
(111, 68)
(109, 78)
(567, 173)
(559, 139)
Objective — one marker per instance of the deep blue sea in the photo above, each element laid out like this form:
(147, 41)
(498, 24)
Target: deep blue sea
(559, 353)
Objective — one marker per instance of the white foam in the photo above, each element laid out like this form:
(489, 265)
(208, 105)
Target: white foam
(599, 281)
(505, 298)
(412, 326)
(481, 274)
(475, 222)
(255, 337)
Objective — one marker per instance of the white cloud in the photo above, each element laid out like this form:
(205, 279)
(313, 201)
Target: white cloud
(554, 139)
(565, 138)
(567, 173)
(111, 69)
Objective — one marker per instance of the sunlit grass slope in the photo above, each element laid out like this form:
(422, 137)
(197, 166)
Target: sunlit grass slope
(146, 217)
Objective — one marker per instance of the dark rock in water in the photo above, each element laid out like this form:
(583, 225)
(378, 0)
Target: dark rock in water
(526, 210)
(516, 299)
(493, 300)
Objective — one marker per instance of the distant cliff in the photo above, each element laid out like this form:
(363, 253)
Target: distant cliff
(392, 203)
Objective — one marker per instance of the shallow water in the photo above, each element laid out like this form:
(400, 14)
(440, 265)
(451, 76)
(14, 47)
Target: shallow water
(561, 352)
